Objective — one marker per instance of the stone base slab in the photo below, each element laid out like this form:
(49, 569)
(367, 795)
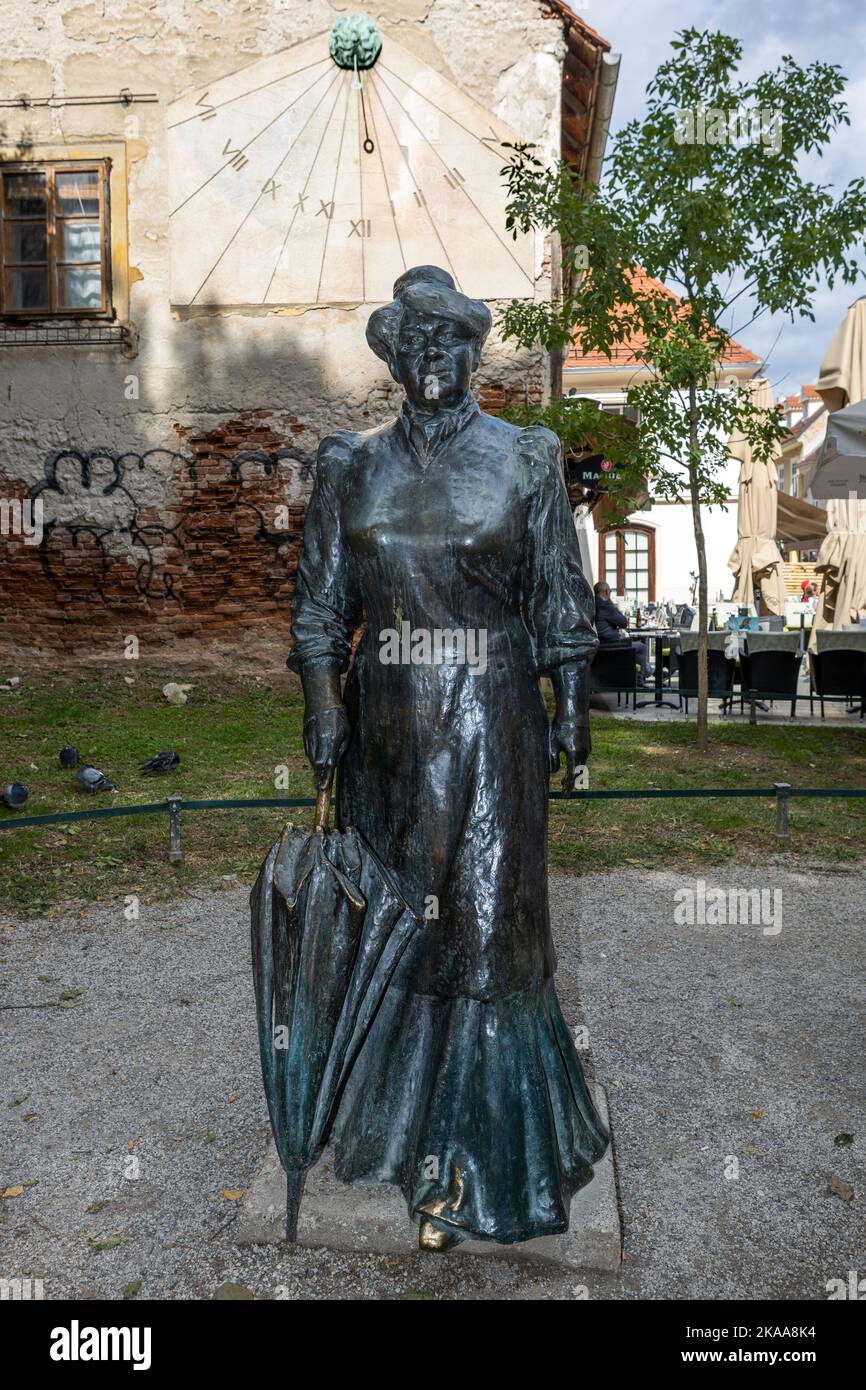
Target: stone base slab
(374, 1220)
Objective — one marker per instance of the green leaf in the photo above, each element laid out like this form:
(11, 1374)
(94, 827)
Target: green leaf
(105, 1243)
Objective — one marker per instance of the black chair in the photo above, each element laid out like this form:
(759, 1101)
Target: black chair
(671, 659)
(720, 677)
(771, 674)
(841, 671)
(614, 668)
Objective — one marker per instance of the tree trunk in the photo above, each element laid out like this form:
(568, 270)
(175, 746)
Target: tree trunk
(560, 286)
(701, 742)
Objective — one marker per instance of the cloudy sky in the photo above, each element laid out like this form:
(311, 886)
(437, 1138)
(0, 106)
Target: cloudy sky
(833, 31)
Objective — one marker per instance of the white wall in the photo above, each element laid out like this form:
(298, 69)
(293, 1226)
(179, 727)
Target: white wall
(675, 549)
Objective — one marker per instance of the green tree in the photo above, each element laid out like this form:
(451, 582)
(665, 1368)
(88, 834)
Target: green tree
(706, 193)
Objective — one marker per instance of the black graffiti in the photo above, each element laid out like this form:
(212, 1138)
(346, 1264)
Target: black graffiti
(115, 467)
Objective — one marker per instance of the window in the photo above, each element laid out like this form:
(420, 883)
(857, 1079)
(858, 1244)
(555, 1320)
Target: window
(55, 239)
(627, 562)
(620, 408)
(609, 407)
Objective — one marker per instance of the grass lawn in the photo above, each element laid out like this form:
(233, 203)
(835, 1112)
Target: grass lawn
(232, 735)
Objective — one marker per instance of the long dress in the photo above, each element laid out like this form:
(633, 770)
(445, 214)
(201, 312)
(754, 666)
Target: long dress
(467, 1092)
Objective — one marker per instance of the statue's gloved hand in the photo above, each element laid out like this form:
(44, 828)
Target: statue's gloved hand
(569, 736)
(326, 738)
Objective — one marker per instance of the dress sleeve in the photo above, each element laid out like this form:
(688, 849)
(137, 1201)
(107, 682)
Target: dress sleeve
(326, 607)
(557, 601)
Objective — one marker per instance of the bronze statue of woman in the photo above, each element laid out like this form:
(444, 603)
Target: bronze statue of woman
(448, 533)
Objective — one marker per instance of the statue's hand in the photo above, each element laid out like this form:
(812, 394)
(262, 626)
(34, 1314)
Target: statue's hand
(326, 738)
(571, 737)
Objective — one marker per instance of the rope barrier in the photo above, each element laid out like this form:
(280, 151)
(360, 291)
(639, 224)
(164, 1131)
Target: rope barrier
(780, 792)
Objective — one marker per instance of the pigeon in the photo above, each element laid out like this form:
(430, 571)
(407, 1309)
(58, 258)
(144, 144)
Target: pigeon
(176, 694)
(90, 779)
(69, 756)
(15, 795)
(160, 763)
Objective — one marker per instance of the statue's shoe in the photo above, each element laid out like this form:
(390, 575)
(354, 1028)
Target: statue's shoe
(433, 1239)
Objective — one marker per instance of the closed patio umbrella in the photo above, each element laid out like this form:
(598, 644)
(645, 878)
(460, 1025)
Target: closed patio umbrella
(842, 562)
(840, 474)
(756, 559)
(843, 371)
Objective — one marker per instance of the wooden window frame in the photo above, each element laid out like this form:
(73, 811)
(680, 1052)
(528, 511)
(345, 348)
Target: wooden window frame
(50, 168)
(619, 531)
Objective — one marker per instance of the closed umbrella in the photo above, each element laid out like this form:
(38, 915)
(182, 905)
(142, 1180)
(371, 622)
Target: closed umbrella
(840, 474)
(842, 562)
(756, 559)
(329, 926)
(842, 379)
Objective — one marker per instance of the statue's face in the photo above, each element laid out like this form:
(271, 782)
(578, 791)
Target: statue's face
(435, 359)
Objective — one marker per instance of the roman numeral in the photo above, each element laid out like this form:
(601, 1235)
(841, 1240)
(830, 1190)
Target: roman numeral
(238, 158)
(492, 138)
(271, 187)
(326, 208)
(455, 178)
(208, 109)
(360, 228)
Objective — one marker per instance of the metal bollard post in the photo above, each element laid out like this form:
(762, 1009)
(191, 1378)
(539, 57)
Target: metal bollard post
(753, 710)
(783, 790)
(175, 853)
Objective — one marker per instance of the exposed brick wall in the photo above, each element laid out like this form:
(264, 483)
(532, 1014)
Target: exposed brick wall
(181, 550)
(214, 562)
(496, 397)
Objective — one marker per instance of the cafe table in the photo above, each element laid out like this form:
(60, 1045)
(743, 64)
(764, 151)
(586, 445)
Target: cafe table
(645, 634)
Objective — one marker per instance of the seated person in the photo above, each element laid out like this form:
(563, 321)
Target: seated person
(611, 625)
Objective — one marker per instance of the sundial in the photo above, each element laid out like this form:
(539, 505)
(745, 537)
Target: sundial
(319, 174)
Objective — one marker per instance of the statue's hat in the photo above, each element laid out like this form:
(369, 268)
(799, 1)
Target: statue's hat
(431, 290)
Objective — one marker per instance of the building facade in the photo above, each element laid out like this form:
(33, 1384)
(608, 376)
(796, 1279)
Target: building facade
(652, 558)
(201, 206)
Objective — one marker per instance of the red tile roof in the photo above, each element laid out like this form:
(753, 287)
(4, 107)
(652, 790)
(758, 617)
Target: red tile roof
(623, 354)
(807, 393)
(568, 13)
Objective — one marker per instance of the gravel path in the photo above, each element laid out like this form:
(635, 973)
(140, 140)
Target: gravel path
(132, 1100)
